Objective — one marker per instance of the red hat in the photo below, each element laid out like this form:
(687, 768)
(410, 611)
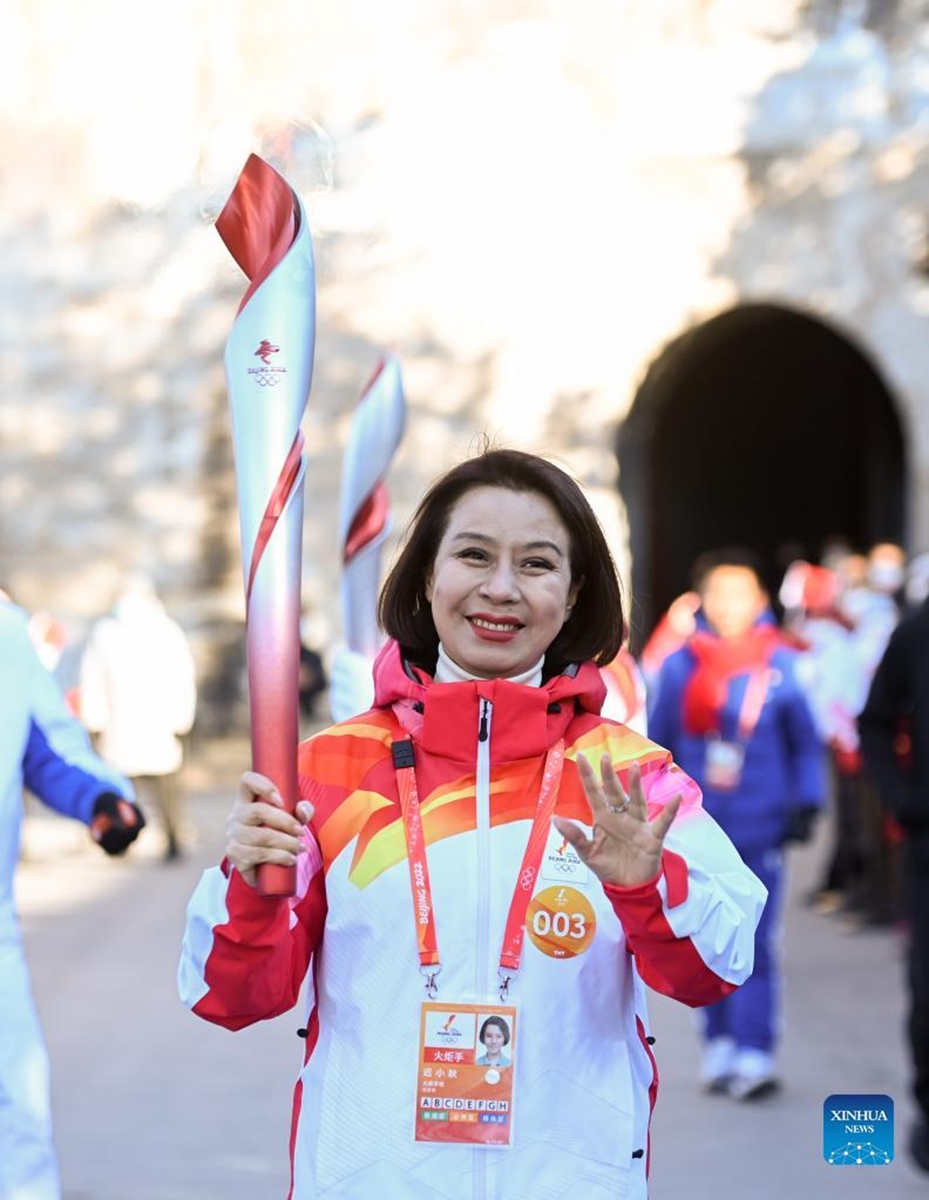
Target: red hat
(820, 590)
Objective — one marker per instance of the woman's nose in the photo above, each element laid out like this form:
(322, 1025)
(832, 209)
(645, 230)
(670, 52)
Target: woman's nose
(500, 583)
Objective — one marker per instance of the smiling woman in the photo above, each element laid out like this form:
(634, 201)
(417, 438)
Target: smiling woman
(436, 890)
(500, 587)
(532, 558)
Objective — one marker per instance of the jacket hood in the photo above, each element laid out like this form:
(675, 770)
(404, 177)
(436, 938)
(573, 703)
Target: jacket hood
(444, 717)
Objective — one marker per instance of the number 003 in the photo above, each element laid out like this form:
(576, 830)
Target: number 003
(561, 924)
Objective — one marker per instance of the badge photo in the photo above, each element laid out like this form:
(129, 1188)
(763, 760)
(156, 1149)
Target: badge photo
(465, 1084)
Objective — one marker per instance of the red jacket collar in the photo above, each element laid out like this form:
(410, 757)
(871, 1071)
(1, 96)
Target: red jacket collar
(443, 717)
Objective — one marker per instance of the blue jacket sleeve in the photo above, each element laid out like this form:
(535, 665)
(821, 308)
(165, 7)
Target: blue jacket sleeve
(665, 703)
(59, 764)
(807, 753)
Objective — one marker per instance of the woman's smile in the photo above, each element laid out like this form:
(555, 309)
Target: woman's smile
(494, 629)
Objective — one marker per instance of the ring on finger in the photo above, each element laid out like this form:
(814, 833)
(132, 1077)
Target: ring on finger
(620, 808)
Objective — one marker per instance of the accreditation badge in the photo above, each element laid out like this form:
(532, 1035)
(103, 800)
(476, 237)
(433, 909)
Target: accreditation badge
(464, 1090)
(723, 769)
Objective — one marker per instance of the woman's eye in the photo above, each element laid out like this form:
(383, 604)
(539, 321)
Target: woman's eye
(473, 554)
(538, 564)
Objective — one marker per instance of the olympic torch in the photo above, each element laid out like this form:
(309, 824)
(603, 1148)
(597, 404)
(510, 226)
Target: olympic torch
(269, 367)
(377, 427)
(364, 523)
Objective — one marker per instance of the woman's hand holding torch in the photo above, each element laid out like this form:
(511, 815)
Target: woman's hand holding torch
(261, 832)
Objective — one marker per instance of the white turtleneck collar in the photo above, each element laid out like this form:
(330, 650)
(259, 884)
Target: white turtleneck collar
(448, 671)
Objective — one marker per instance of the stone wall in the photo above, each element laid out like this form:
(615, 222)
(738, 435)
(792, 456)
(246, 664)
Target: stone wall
(526, 200)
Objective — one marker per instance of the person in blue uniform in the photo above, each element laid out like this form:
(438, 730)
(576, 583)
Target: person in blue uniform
(42, 747)
(729, 707)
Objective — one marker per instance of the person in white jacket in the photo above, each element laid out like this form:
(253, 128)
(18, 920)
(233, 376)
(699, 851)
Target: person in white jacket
(481, 843)
(138, 693)
(42, 747)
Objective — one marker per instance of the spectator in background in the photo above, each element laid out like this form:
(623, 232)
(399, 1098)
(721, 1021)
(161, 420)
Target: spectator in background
(916, 591)
(312, 680)
(831, 676)
(852, 569)
(873, 608)
(895, 740)
(729, 707)
(625, 693)
(671, 632)
(875, 611)
(138, 692)
(44, 748)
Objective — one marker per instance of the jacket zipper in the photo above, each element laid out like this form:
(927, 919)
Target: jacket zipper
(481, 940)
(482, 801)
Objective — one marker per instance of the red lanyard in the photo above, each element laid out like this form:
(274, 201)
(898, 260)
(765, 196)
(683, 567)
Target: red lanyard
(423, 909)
(756, 692)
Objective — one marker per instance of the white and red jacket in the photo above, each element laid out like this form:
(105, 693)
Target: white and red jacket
(586, 1078)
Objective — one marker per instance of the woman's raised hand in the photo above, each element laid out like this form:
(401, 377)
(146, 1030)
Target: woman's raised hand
(260, 830)
(624, 847)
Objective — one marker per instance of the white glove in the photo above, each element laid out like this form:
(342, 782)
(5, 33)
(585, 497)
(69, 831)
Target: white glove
(351, 684)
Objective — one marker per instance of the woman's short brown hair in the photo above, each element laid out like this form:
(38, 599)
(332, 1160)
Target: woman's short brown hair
(596, 627)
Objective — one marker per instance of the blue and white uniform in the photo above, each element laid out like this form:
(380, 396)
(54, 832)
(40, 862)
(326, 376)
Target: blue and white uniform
(783, 771)
(44, 748)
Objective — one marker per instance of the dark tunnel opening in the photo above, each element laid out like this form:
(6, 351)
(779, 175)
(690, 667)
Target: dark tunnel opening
(762, 428)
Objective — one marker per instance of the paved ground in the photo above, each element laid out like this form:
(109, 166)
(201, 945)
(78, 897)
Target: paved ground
(152, 1104)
